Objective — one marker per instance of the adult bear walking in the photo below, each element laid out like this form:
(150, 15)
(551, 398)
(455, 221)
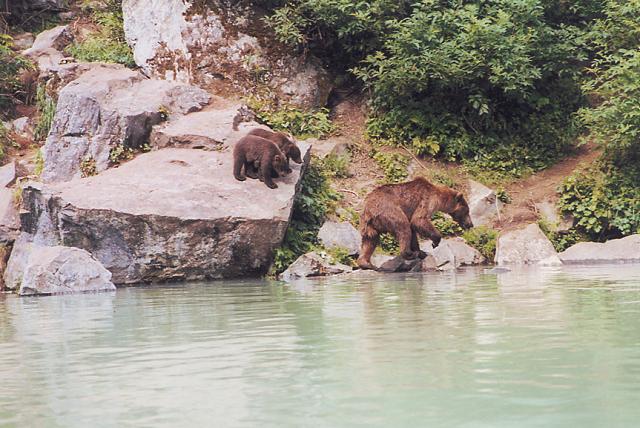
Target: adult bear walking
(405, 211)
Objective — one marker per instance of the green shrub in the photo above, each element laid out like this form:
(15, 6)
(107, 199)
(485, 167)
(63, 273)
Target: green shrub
(46, 112)
(604, 200)
(394, 165)
(108, 44)
(561, 240)
(445, 225)
(482, 239)
(313, 202)
(336, 166)
(11, 66)
(287, 118)
(389, 243)
(39, 163)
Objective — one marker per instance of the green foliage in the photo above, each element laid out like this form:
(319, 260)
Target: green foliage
(88, 167)
(483, 239)
(313, 202)
(457, 79)
(336, 166)
(46, 112)
(389, 243)
(287, 118)
(39, 164)
(445, 224)
(120, 153)
(5, 140)
(394, 165)
(11, 65)
(108, 44)
(561, 240)
(503, 196)
(604, 200)
(340, 255)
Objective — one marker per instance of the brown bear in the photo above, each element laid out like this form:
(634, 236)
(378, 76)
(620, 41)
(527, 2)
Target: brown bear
(255, 153)
(405, 210)
(283, 142)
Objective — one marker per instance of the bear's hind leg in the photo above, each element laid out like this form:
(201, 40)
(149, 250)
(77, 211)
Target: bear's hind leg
(238, 162)
(370, 239)
(415, 245)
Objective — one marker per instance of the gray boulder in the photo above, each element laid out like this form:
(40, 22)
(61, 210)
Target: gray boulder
(399, 264)
(9, 218)
(524, 246)
(484, 206)
(342, 235)
(624, 250)
(35, 269)
(107, 107)
(451, 253)
(56, 38)
(171, 214)
(212, 42)
(312, 265)
(210, 129)
(548, 211)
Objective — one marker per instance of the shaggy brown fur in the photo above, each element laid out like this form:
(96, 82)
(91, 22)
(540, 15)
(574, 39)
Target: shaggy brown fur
(284, 143)
(255, 153)
(405, 211)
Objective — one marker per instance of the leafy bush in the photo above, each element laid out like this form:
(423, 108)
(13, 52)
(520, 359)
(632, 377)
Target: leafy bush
(394, 165)
(445, 225)
(46, 105)
(287, 118)
(336, 166)
(561, 240)
(313, 202)
(604, 200)
(456, 79)
(482, 239)
(108, 44)
(11, 66)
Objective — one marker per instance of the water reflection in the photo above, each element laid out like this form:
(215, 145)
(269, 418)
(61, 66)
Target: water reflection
(530, 347)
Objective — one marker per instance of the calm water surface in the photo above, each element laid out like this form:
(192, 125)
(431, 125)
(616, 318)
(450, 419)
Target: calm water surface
(531, 348)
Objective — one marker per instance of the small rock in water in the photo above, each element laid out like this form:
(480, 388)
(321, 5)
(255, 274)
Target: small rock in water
(497, 270)
(312, 265)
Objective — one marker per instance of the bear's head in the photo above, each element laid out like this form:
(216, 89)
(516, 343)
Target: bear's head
(279, 165)
(294, 153)
(460, 212)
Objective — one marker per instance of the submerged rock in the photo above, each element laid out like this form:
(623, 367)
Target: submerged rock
(312, 265)
(107, 108)
(172, 214)
(341, 235)
(35, 269)
(212, 41)
(624, 250)
(524, 246)
(484, 206)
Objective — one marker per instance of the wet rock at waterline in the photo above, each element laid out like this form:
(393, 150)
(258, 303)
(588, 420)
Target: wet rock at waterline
(211, 42)
(34, 269)
(171, 214)
(484, 206)
(624, 250)
(340, 235)
(312, 265)
(109, 108)
(452, 253)
(528, 245)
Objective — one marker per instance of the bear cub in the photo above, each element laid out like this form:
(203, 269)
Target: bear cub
(260, 159)
(284, 143)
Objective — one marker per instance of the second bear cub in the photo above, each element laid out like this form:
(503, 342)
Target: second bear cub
(254, 153)
(284, 143)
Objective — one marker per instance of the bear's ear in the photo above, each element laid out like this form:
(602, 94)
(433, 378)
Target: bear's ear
(277, 158)
(459, 197)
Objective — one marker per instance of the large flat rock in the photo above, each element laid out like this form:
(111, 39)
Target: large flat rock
(624, 250)
(172, 214)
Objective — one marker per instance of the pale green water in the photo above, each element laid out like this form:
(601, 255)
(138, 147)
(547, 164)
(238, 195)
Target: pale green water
(537, 348)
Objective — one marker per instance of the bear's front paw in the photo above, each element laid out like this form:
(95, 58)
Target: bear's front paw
(409, 255)
(272, 185)
(435, 240)
(240, 178)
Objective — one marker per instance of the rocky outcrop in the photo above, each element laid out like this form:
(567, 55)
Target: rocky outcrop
(524, 246)
(312, 265)
(35, 269)
(548, 212)
(452, 253)
(210, 129)
(624, 250)
(171, 214)
(56, 38)
(484, 206)
(106, 108)
(340, 235)
(212, 42)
